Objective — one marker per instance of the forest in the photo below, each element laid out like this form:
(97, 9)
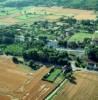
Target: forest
(80, 4)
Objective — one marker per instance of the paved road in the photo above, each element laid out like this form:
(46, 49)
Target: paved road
(72, 50)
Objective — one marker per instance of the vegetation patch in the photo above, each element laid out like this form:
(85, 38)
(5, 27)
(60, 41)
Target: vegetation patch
(15, 50)
(52, 75)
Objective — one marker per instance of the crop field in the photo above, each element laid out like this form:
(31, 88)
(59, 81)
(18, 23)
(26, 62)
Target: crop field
(28, 14)
(85, 87)
(16, 83)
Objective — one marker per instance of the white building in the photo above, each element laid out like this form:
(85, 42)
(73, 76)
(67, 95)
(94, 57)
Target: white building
(19, 38)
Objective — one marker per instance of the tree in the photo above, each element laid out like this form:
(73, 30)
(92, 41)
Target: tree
(92, 52)
(15, 60)
(96, 6)
(63, 43)
(73, 45)
(87, 41)
(46, 55)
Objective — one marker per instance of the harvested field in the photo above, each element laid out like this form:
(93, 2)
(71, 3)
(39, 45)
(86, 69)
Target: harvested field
(84, 88)
(22, 85)
(59, 11)
(11, 78)
(40, 88)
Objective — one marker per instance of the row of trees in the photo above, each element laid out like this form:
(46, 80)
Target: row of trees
(46, 55)
(84, 4)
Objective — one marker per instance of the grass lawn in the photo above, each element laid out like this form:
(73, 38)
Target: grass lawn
(53, 75)
(80, 37)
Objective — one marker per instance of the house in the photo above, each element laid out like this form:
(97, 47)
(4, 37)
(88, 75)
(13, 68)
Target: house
(19, 38)
(69, 32)
(96, 67)
(96, 32)
(92, 66)
(52, 43)
(66, 69)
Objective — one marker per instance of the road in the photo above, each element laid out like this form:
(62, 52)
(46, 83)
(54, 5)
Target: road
(71, 50)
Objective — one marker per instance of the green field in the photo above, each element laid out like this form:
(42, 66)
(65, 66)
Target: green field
(53, 75)
(80, 37)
